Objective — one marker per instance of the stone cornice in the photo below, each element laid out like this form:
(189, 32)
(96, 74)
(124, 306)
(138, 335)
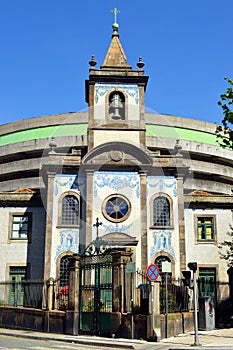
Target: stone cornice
(208, 201)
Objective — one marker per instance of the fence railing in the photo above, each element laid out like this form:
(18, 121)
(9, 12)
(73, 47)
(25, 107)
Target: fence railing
(22, 293)
(34, 294)
(175, 294)
(61, 294)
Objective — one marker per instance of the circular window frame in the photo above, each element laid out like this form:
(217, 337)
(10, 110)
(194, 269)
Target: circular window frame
(107, 216)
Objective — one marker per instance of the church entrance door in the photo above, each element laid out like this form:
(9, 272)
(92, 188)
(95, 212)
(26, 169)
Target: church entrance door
(95, 293)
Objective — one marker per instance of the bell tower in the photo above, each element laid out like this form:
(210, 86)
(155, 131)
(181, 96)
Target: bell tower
(115, 97)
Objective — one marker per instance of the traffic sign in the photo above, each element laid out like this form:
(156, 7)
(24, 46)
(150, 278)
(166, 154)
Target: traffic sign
(152, 272)
(130, 267)
(166, 266)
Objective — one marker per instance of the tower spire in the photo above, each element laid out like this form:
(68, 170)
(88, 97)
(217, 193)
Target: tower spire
(115, 58)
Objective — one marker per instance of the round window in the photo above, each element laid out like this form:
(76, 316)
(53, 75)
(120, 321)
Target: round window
(116, 208)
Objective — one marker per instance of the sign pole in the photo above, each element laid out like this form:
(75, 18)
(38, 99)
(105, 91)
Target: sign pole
(195, 308)
(193, 267)
(131, 268)
(152, 273)
(166, 268)
(153, 309)
(166, 305)
(132, 318)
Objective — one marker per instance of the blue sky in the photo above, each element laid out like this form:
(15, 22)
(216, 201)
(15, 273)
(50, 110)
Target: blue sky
(45, 47)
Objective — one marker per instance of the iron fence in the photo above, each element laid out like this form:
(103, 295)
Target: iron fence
(34, 293)
(174, 295)
(61, 294)
(27, 293)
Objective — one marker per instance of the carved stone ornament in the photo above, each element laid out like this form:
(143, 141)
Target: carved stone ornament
(116, 156)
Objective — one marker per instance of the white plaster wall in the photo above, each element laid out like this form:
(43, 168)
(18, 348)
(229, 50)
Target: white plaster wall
(20, 252)
(128, 185)
(63, 239)
(12, 252)
(207, 253)
(132, 92)
(163, 240)
(131, 137)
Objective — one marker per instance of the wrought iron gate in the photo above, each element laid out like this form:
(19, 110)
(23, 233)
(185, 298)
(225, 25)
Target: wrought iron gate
(95, 293)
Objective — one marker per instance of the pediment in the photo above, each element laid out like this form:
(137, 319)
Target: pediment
(119, 239)
(117, 153)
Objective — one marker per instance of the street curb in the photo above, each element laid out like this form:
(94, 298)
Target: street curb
(210, 347)
(107, 344)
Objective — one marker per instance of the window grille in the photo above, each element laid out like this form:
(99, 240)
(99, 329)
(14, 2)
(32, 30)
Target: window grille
(20, 227)
(161, 211)
(70, 210)
(64, 271)
(205, 228)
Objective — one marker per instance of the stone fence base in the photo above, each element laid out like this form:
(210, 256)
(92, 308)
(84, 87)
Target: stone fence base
(33, 319)
(67, 322)
(178, 322)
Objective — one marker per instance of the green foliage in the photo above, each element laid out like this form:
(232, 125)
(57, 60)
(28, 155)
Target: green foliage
(224, 132)
(89, 307)
(62, 305)
(226, 249)
(136, 309)
(172, 304)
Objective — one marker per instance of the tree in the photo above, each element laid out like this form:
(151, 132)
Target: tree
(226, 249)
(224, 132)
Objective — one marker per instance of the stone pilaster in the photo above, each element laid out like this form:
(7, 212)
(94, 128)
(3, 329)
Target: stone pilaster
(49, 226)
(180, 194)
(73, 302)
(120, 282)
(143, 216)
(89, 205)
(72, 314)
(50, 294)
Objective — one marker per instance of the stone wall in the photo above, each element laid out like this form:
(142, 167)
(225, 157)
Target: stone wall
(177, 323)
(67, 322)
(37, 320)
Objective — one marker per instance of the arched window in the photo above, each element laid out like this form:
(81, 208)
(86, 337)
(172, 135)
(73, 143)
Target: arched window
(70, 210)
(161, 212)
(159, 260)
(117, 105)
(64, 271)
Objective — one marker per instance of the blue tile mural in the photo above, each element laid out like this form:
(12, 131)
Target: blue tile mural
(117, 181)
(69, 241)
(162, 242)
(131, 90)
(161, 183)
(64, 180)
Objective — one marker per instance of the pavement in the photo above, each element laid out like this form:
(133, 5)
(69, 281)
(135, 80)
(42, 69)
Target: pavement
(216, 339)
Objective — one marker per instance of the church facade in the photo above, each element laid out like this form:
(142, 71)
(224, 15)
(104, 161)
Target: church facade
(156, 185)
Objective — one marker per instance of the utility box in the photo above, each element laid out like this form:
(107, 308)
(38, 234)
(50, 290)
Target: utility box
(144, 298)
(206, 316)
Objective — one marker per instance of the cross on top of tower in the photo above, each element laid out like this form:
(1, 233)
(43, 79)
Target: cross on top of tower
(115, 25)
(115, 11)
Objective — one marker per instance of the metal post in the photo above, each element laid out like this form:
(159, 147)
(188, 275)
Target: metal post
(132, 318)
(166, 306)
(196, 341)
(153, 309)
